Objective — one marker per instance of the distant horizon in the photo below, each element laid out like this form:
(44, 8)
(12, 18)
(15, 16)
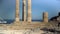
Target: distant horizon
(9, 21)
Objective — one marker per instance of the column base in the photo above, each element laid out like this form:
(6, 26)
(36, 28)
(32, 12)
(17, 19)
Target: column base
(17, 23)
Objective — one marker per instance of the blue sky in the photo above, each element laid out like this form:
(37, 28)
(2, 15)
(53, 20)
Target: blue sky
(7, 8)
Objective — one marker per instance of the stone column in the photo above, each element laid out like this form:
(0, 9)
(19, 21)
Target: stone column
(24, 10)
(17, 11)
(45, 17)
(29, 11)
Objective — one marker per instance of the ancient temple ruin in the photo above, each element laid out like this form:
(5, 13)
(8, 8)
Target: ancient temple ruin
(17, 25)
(26, 23)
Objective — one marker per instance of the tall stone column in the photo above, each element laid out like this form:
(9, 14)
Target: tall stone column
(24, 10)
(29, 11)
(45, 17)
(17, 11)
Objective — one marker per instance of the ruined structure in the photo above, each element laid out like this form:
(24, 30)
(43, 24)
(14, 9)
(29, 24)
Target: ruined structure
(45, 17)
(24, 10)
(17, 25)
(27, 23)
(17, 19)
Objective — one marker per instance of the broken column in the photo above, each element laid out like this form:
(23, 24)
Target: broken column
(29, 11)
(45, 17)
